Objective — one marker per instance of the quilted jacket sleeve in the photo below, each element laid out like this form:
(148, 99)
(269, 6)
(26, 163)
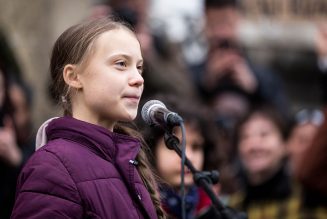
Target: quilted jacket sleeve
(45, 189)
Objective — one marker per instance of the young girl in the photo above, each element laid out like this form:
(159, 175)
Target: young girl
(200, 150)
(91, 166)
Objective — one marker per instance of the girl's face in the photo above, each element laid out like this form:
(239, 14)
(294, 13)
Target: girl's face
(261, 146)
(111, 81)
(169, 163)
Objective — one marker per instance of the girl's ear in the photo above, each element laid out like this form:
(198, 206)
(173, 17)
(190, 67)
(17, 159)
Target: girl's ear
(71, 76)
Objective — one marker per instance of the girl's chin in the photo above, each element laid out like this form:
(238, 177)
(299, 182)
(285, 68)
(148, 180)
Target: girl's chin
(130, 117)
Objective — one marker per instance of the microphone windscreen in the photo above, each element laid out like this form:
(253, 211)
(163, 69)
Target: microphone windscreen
(146, 109)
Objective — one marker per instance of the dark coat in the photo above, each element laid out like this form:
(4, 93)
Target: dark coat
(84, 171)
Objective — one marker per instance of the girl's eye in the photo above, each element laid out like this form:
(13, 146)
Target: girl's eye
(121, 64)
(140, 68)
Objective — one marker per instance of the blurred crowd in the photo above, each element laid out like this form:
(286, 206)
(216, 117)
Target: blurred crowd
(272, 160)
(16, 132)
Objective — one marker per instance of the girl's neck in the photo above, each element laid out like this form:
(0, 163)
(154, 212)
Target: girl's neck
(93, 120)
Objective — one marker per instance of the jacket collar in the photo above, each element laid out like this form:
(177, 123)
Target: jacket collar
(98, 139)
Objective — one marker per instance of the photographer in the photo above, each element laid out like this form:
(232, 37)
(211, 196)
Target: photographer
(227, 65)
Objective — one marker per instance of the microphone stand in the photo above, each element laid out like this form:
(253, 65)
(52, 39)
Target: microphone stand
(203, 179)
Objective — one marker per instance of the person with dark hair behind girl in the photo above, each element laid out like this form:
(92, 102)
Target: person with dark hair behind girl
(201, 150)
(89, 164)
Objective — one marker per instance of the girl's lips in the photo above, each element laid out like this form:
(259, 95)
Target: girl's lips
(132, 98)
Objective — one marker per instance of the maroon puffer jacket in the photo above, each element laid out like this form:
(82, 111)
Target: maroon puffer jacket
(84, 171)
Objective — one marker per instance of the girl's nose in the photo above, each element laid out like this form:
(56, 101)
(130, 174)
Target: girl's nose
(136, 79)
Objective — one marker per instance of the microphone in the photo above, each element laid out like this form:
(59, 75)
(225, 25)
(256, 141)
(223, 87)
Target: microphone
(154, 112)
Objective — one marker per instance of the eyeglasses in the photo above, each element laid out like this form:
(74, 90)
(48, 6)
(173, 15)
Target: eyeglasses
(314, 116)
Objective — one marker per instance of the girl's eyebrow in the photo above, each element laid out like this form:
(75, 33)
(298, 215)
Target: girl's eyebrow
(128, 57)
(119, 56)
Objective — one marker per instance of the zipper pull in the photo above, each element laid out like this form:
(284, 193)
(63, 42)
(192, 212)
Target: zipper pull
(134, 162)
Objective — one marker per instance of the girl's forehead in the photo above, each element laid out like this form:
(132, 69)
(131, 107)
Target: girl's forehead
(117, 33)
(119, 41)
(120, 38)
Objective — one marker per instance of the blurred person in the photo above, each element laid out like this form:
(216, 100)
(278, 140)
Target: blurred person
(202, 149)
(265, 183)
(302, 139)
(314, 155)
(11, 152)
(311, 172)
(304, 130)
(229, 105)
(227, 64)
(21, 97)
(90, 163)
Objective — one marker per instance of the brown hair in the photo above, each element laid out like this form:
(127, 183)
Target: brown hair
(73, 47)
